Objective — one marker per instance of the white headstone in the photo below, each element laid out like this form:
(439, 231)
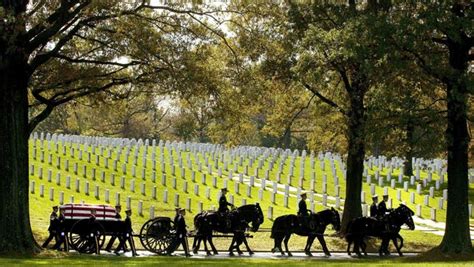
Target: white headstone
(418, 210)
(140, 208)
(51, 194)
(372, 189)
(432, 189)
(128, 202)
(153, 192)
(325, 200)
(152, 212)
(433, 214)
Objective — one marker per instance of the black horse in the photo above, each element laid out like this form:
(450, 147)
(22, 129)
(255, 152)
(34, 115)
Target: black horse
(386, 228)
(206, 223)
(286, 225)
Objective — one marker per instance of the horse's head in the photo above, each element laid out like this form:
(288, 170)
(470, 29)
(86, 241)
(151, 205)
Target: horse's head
(252, 214)
(405, 214)
(258, 218)
(335, 219)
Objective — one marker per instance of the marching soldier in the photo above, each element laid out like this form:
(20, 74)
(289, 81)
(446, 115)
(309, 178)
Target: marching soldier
(181, 233)
(53, 227)
(116, 235)
(127, 235)
(374, 212)
(93, 228)
(61, 232)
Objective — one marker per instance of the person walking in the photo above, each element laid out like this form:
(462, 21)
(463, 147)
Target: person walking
(53, 227)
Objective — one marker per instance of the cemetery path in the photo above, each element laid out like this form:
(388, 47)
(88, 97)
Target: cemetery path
(267, 255)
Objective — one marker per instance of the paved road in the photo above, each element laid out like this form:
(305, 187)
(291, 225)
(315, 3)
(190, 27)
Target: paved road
(266, 255)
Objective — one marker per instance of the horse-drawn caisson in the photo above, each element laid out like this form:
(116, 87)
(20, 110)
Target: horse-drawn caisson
(85, 227)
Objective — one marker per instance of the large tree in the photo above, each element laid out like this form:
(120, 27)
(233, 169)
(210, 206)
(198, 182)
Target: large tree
(52, 52)
(439, 38)
(331, 52)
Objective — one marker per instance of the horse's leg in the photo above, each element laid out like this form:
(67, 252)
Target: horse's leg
(323, 244)
(387, 244)
(231, 247)
(275, 245)
(309, 243)
(363, 246)
(357, 242)
(280, 240)
(383, 246)
(287, 238)
(349, 242)
(205, 239)
(397, 246)
(237, 245)
(214, 250)
(247, 245)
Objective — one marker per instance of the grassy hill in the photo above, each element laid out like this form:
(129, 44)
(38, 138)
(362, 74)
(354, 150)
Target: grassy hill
(110, 161)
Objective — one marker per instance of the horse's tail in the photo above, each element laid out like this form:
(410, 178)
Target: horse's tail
(197, 222)
(276, 226)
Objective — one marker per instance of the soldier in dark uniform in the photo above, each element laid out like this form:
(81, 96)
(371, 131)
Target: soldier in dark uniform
(382, 208)
(223, 210)
(181, 233)
(127, 235)
(303, 212)
(93, 230)
(53, 227)
(374, 211)
(116, 235)
(223, 204)
(61, 232)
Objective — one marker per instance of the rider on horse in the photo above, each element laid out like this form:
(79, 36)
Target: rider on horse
(223, 210)
(303, 212)
(382, 208)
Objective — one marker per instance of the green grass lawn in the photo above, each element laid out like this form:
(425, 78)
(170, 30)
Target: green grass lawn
(49, 258)
(40, 207)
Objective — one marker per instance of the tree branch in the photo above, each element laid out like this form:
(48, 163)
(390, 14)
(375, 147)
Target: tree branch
(325, 99)
(40, 34)
(288, 127)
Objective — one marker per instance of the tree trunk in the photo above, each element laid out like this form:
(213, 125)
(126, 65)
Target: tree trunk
(408, 167)
(457, 237)
(355, 159)
(15, 230)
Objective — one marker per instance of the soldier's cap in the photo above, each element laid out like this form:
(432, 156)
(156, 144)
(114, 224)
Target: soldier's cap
(118, 206)
(177, 209)
(375, 196)
(303, 193)
(55, 207)
(385, 195)
(128, 210)
(224, 189)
